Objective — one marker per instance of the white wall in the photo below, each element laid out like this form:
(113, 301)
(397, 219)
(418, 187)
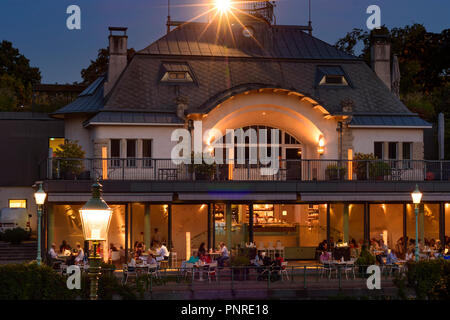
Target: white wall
(74, 130)
(364, 138)
(162, 146)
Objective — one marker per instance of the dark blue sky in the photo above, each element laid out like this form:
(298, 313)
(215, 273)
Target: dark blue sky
(38, 28)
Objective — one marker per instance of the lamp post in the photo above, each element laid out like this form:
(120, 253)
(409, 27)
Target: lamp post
(95, 218)
(417, 197)
(39, 196)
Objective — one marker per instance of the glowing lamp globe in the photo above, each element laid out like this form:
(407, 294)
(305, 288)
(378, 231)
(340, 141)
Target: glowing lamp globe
(416, 195)
(96, 216)
(40, 195)
(223, 5)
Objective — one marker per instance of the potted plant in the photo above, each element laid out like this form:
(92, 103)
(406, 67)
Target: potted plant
(238, 264)
(334, 172)
(362, 163)
(378, 170)
(69, 162)
(365, 260)
(202, 171)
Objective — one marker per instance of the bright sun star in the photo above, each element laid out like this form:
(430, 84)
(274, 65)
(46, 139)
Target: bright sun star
(223, 5)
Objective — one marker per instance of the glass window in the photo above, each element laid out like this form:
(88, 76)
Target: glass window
(386, 222)
(393, 150)
(131, 153)
(147, 152)
(22, 203)
(347, 225)
(115, 152)
(428, 221)
(378, 150)
(54, 144)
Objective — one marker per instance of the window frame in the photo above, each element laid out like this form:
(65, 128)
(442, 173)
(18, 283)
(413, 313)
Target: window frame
(15, 199)
(115, 161)
(147, 161)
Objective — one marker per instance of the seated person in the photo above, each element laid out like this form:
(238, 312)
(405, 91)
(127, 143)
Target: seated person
(391, 258)
(201, 250)
(193, 259)
(162, 252)
(80, 254)
(64, 247)
(223, 254)
(52, 252)
(258, 261)
(206, 258)
(324, 257)
(278, 261)
(132, 265)
(410, 255)
(151, 258)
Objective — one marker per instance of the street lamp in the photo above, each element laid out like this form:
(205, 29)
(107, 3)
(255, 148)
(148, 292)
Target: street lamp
(95, 218)
(39, 196)
(416, 198)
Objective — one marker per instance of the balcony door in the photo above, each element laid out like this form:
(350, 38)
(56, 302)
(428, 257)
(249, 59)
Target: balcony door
(293, 164)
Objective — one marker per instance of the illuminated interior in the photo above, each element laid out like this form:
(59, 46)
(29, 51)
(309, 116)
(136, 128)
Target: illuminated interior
(21, 203)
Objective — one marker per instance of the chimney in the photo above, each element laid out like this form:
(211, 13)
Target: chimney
(117, 56)
(380, 54)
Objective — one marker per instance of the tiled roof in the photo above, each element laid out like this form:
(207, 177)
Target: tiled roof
(388, 121)
(133, 118)
(90, 100)
(199, 39)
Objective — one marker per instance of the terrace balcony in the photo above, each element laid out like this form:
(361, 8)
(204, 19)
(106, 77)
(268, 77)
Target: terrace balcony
(147, 169)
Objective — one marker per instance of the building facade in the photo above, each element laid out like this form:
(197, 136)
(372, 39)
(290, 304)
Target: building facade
(331, 111)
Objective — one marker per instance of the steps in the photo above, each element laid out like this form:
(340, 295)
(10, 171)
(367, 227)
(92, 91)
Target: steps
(23, 252)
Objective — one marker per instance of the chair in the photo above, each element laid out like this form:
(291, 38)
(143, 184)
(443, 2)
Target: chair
(261, 247)
(153, 270)
(349, 267)
(173, 258)
(284, 271)
(127, 273)
(271, 250)
(326, 269)
(115, 257)
(212, 271)
(279, 248)
(189, 269)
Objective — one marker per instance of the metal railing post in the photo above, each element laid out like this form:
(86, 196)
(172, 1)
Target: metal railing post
(340, 278)
(123, 169)
(304, 277)
(367, 170)
(154, 170)
(440, 162)
(268, 278)
(232, 279)
(58, 169)
(309, 169)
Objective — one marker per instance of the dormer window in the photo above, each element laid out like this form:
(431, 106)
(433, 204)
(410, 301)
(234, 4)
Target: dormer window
(333, 80)
(176, 73)
(331, 76)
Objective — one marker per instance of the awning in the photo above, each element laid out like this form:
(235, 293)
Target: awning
(237, 196)
(116, 197)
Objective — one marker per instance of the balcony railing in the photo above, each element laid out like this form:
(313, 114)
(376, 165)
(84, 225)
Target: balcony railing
(289, 170)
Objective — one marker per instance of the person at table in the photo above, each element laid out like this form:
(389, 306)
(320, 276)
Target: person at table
(151, 258)
(206, 258)
(64, 246)
(391, 258)
(223, 255)
(324, 257)
(162, 251)
(410, 255)
(193, 259)
(79, 255)
(201, 250)
(52, 252)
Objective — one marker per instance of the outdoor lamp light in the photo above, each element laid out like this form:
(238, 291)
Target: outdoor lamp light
(39, 196)
(416, 198)
(223, 5)
(321, 147)
(95, 219)
(416, 195)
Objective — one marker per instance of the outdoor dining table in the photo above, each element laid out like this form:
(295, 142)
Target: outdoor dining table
(201, 267)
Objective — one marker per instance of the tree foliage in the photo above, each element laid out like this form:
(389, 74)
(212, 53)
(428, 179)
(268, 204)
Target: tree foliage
(99, 66)
(16, 79)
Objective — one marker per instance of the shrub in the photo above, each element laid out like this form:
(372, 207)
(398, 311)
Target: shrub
(366, 163)
(240, 261)
(334, 172)
(71, 151)
(32, 282)
(16, 235)
(109, 287)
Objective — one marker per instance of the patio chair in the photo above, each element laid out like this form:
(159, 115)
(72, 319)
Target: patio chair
(189, 269)
(350, 268)
(326, 269)
(212, 271)
(128, 272)
(271, 250)
(279, 248)
(283, 271)
(153, 270)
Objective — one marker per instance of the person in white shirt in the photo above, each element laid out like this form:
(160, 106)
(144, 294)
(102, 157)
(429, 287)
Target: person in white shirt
(52, 252)
(410, 255)
(162, 251)
(223, 254)
(80, 256)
